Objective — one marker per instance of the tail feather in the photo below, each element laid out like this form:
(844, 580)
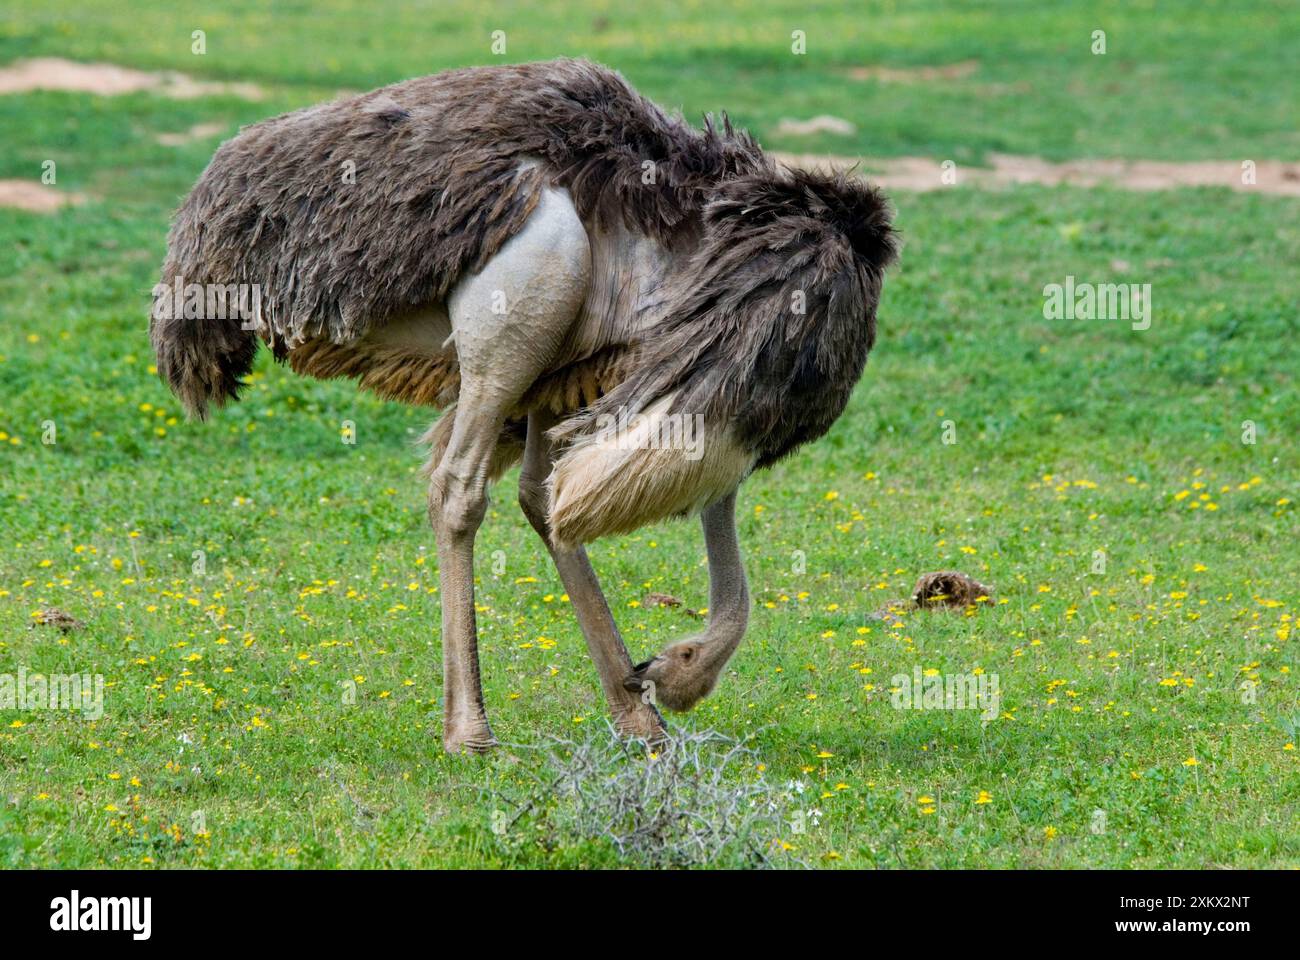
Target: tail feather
(203, 361)
(617, 480)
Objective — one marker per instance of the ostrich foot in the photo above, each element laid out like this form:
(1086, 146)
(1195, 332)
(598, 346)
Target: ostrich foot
(641, 721)
(468, 736)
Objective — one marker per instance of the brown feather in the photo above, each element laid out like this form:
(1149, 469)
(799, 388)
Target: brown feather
(352, 212)
(768, 328)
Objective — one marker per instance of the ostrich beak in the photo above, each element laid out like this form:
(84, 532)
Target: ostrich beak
(635, 681)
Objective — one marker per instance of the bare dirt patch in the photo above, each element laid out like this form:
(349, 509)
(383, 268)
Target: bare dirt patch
(924, 74)
(823, 123)
(923, 174)
(35, 197)
(110, 80)
(200, 131)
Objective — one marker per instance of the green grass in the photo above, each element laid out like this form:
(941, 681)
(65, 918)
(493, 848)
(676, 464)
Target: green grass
(1072, 437)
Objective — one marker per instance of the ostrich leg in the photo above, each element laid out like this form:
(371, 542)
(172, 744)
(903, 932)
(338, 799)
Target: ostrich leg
(632, 716)
(457, 503)
(508, 321)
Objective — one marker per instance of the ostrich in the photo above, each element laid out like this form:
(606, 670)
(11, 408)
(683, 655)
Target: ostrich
(560, 266)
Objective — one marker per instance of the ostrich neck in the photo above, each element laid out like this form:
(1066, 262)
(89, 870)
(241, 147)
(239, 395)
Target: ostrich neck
(728, 588)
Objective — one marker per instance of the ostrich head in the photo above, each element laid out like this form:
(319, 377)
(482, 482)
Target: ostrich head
(682, 675)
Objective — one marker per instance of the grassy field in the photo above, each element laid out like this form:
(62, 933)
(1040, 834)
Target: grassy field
(1150, 709)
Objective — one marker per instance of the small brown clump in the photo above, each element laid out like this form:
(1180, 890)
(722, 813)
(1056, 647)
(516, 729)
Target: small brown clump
(54, 617)
(668, 600)
(945, 589)
(948, 588)
(661, 600)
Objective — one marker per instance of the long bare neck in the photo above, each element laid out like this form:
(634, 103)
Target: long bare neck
(728, 587)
